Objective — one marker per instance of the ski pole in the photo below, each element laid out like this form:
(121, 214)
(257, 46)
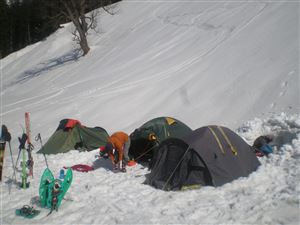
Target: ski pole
(12, 160)
(7, 138)
(18, 158)
(39, 138)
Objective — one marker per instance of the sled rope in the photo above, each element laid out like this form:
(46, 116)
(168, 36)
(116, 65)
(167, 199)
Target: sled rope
(217, 140)
(233, 149)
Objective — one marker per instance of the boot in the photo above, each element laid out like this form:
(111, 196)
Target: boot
(123, 167)
(116, 167)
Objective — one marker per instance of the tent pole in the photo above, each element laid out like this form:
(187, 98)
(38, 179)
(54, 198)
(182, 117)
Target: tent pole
(175, 169)
(146, 151)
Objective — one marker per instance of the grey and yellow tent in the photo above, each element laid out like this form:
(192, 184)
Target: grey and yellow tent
(70, 135)
(146, 138)
(211, 155)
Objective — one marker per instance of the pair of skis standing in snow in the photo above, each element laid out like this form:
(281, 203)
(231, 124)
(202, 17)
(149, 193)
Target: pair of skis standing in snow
(6, 137)
(51, 191)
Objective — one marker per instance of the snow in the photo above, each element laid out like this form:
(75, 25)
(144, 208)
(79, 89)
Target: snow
(230, 63)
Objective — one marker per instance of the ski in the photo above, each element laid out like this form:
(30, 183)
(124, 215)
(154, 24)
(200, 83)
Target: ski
(24, 172)
(22, 141)
(24, 184)
(29, 144)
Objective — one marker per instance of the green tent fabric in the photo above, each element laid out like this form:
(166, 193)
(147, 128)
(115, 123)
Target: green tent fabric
(77, 137)
(146, 138)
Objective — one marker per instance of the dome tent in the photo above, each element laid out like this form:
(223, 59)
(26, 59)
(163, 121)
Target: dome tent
(210, 155)
(145, 139)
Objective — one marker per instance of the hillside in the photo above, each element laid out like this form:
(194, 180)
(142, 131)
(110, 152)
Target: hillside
(228, 63)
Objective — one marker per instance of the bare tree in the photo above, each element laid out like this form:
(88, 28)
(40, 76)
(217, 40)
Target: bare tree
(77, 12)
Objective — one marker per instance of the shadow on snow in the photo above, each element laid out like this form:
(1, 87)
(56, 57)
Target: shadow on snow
(51, 64)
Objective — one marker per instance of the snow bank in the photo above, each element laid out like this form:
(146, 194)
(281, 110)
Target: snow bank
(268, 196)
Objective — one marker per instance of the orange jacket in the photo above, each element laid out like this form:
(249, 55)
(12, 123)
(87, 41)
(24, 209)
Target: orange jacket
(118, 140)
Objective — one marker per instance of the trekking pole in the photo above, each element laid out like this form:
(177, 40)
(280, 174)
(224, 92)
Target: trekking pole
(39, 138)
(7, 138)
(12, 160)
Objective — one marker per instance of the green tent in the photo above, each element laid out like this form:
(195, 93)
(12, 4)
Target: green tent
(145, 139)
(70, 134)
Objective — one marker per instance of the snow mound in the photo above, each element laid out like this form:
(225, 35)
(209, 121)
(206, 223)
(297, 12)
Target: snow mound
(268, 196)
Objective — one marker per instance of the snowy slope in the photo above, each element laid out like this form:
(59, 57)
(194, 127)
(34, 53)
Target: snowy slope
(228, 63)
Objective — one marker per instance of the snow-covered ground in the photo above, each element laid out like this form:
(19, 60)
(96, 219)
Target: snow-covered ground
(228, 63)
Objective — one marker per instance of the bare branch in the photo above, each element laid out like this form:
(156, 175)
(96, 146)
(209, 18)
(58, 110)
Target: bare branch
(76, 38)
(106, 9)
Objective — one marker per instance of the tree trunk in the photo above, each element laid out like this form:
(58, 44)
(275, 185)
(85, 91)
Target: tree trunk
(28, 35)
(83, 40)
(84, 45)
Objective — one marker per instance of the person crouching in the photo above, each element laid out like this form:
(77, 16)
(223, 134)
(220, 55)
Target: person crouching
(117, 149)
